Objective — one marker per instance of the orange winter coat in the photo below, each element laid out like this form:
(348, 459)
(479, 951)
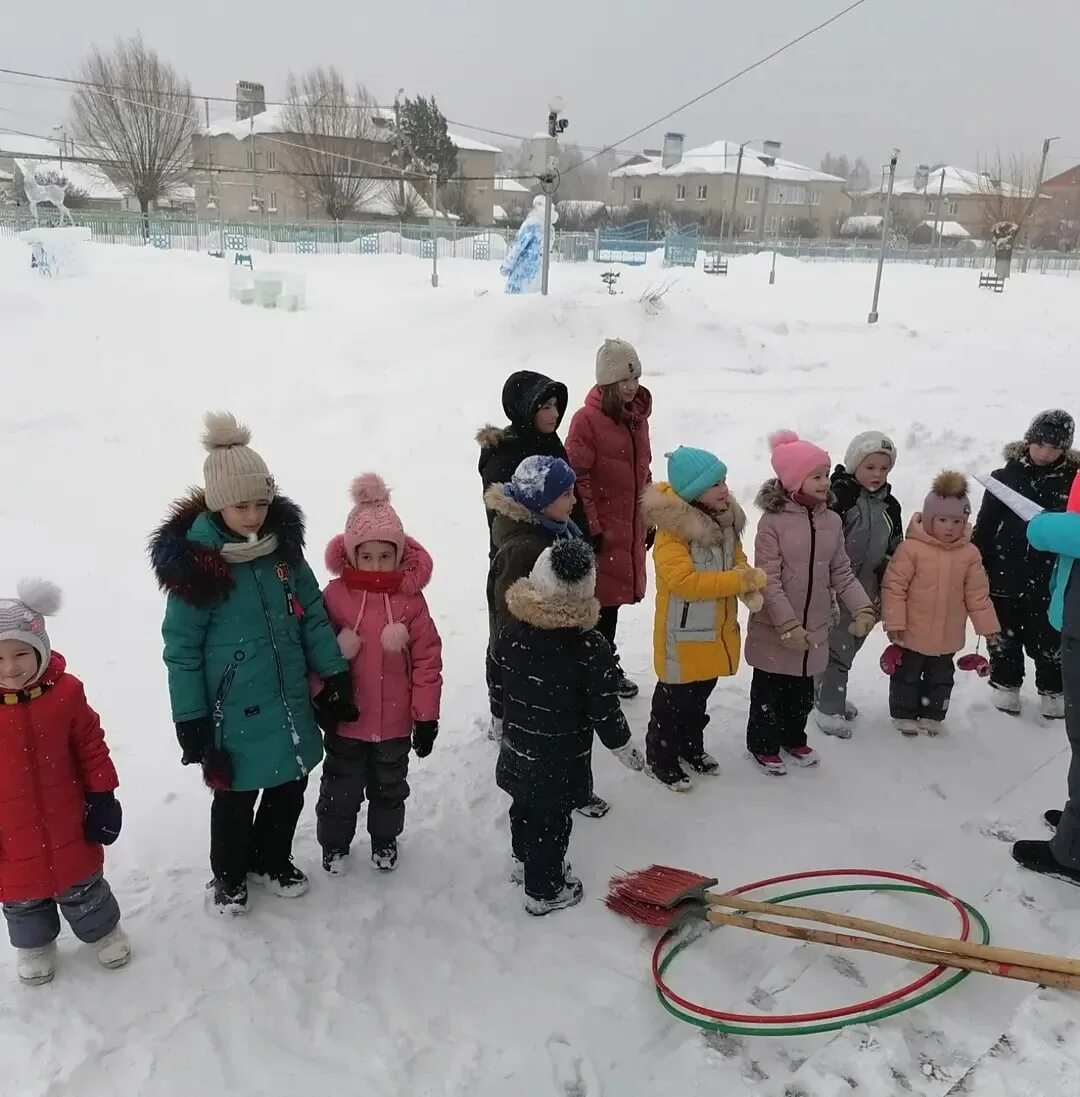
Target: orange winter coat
(930, 589)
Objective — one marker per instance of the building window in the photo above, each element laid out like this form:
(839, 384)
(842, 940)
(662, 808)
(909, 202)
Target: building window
(271, 205)
(702, 192)
(815, 198)
(772, 225)
(680, 192)
(753, 194)
(952, 207)
(250, 159)
(749, 221)
(612, 186)
(931, 205)
(270, 165)
(635, 193)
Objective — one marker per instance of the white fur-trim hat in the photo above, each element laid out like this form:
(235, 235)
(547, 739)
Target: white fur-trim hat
(23, 618)
(865, 445)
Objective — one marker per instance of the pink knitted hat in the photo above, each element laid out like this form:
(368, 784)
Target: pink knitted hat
(371, 519)
(793, 459)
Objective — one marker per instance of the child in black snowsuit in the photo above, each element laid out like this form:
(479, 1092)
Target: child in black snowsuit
(1042, 468)
(557, 680)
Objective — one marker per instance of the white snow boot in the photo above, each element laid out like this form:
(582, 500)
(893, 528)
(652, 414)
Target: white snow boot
(1052, 705)
(114, 949)
(840, 726)
(36, 966)
(1006, 700)
(907, 727)
(931, 727)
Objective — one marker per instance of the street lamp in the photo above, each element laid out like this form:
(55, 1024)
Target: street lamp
(549, 178)
(738, 175)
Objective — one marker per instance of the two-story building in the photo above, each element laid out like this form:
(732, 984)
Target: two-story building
(760, 194)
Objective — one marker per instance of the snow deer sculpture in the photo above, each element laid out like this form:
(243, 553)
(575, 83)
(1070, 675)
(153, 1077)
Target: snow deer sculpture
(37, 192)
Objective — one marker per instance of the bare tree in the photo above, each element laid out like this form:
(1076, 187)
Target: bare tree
(138, 115)
(1006, 191)
(337, 141)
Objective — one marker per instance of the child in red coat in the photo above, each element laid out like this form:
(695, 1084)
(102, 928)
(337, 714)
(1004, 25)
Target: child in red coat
(377, 608)
(57, 807)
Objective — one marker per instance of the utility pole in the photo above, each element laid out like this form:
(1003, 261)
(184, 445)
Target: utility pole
(735, 196)
(873, 317)
(941, 213)
(549, 181)
(1033, 203)
(434, 226)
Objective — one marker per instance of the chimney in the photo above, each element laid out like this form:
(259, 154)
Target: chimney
(250, 99)
(673, 148)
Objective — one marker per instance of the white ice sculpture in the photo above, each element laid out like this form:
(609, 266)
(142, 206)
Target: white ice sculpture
(42, 192)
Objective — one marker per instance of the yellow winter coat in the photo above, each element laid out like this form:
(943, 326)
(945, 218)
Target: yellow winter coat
(701, 573)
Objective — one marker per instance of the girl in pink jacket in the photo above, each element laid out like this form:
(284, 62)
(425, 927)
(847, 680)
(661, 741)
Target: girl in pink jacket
(377, 607)
(800, 547)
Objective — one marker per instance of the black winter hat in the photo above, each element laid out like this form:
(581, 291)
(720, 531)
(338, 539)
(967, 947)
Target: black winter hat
(1053, 427)
(568, 568)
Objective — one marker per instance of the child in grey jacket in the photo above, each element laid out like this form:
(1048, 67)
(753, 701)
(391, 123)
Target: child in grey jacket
(873, 528)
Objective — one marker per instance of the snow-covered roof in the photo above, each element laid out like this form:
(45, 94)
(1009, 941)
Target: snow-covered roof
(88, 178)
(861, 223)
(580, 206)
(272, 120)
(958, 181)
(950, 230)
(6, 177)
(383, 202)
(722, 158)
(510, 186)
(498, 215)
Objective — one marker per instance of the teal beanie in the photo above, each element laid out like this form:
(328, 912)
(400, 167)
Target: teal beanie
(691, 472)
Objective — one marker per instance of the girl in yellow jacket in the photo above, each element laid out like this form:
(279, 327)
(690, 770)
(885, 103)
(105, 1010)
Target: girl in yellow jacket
(701, 572)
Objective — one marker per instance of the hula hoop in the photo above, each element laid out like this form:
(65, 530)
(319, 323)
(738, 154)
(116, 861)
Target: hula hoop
(895, 1002)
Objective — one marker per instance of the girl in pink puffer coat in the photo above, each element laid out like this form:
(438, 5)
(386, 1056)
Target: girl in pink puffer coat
(384, 629)
(800, 547)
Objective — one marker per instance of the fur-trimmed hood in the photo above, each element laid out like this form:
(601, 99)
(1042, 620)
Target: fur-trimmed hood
(416, 564)
(545, 611)
(1017, 451)
(490, 436)
(185, 550)
(665, 510)
(501, 504)
(772, 498)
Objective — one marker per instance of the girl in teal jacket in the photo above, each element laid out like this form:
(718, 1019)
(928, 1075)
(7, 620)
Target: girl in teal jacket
(244, 624)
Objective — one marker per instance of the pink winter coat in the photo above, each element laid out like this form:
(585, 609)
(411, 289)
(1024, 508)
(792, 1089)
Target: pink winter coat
(397, 665)
(613, 465)
(802, 552)
(930, 589)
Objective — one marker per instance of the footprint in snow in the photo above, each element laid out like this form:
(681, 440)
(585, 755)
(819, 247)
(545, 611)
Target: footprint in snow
(572, 1073)
(1000, 831)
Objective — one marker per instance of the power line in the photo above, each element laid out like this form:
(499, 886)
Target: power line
(723, 83)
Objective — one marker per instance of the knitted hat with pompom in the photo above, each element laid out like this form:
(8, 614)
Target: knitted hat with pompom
(948, 498)
(372, 518)
(233, 473)
(793, 458)
(23, 618)
(566, 570)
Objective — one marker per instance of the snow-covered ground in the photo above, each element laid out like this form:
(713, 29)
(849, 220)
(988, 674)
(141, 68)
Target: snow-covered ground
(433, 982)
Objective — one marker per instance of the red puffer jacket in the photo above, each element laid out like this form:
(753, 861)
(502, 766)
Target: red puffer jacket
(613, 461)
(52, 753)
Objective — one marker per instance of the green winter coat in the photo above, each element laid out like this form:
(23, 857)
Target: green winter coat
(240, 640)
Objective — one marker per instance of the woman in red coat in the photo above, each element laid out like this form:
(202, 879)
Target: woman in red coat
(608, 447)
(57, 806)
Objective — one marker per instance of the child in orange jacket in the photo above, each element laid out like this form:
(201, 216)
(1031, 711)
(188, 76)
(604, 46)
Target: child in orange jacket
(934, 582)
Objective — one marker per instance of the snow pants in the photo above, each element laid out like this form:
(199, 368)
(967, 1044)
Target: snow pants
(244, 840)
(779, 707)
(608, 625)
(921, 686)
(677, 723)
(89, 907)
(1025, 627)
(540, 837)
(1065, 844)
(354, 769)
(830, 686)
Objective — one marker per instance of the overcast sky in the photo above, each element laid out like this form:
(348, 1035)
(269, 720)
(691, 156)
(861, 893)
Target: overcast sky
(945, 80)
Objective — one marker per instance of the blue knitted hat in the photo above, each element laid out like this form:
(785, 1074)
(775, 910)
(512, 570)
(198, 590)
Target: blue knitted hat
(691, 472)
(538, 481)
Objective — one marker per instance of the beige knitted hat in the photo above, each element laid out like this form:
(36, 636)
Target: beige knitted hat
(232, 472)
(616, 361)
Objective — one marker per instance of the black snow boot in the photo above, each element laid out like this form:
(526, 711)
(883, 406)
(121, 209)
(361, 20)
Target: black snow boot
(1037, 857)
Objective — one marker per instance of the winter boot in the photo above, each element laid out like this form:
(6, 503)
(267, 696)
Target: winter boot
(288, 882)
(1037, 857)
(114, 949)
(36, 966)
(840, 726)
(931, 727)
(803, 756)
(851, 711)
(772, 764)
(1052, 705)
(335, 862)
(703, 763)
(1053, 818)
(626, 689)
(907, 727)
(596, 807)
(384, 854)
(517, 873)
(495, 730)
(569, 896)
(229, 897)
(674, 778)
(1005, 699)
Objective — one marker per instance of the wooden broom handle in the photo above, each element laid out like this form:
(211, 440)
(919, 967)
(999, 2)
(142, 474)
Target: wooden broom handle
(898, 933)
(1058, 979)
